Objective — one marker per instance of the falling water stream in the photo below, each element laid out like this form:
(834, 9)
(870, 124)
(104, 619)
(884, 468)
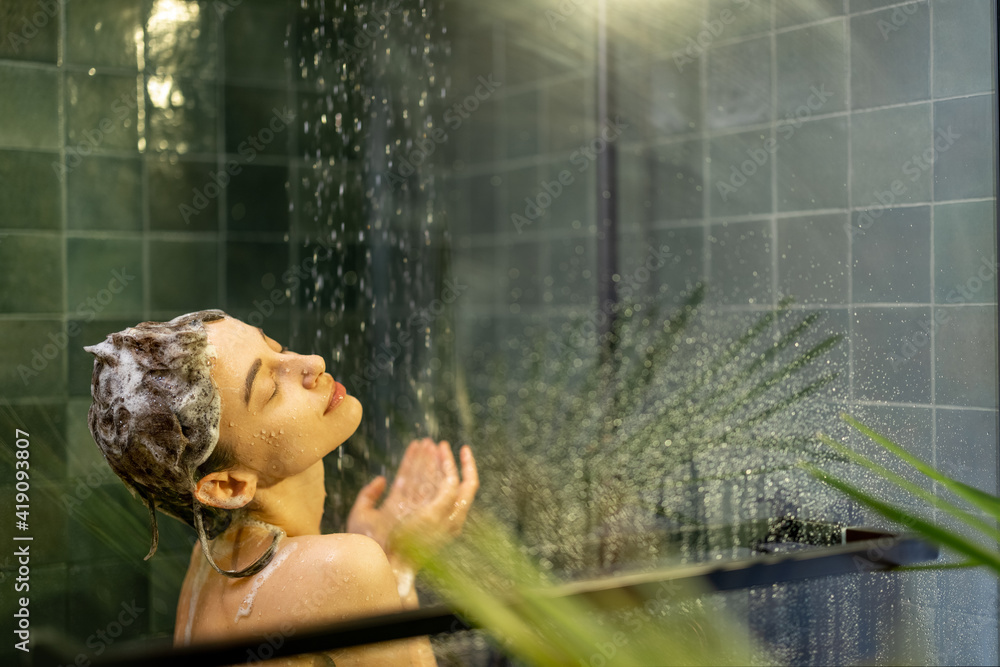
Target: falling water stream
(370, 90)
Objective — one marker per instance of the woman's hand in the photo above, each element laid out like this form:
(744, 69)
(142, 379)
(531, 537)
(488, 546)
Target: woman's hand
(427, 500)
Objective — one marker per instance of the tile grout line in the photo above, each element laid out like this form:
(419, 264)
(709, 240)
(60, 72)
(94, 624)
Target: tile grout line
(707, 166)
(773, 166)
(932, 299)
(142, 132)
(848, 89)
(63, 187)
(222, 292)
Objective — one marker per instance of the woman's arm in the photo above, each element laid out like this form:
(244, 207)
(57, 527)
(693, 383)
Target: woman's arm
(421, 653)
(428, 501)
(356, 581)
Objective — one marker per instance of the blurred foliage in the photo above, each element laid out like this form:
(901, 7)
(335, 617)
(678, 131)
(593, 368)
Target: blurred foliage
(489, 579)
(592, 447)
(974, 509)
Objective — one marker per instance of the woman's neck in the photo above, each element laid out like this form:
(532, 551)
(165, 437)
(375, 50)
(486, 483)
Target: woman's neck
(293, 504)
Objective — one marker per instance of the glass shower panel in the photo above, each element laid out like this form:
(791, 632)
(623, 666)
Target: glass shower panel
(825, 164)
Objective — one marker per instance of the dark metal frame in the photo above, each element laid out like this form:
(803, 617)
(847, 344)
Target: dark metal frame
(860, 551)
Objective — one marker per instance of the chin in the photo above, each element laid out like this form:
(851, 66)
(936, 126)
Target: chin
(348, 416)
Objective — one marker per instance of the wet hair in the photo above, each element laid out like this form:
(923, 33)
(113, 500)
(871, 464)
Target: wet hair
(155, 416)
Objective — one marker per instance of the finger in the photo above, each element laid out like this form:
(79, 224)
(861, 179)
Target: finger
(439, 451)
(447, 491)
(467, 489)
(447, 460)
(421, 473)
(410, 456)
(371, 492)
(470, 475)
(417, 480)
(409, 467)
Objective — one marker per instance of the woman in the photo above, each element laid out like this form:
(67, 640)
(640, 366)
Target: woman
(212, 422)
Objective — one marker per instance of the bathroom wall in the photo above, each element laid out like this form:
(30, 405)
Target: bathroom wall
(118, 123)
(838, 152)
(163, 156)
(117, 118)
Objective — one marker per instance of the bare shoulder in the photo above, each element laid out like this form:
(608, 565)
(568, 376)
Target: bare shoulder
(347, 553)
(339, 576)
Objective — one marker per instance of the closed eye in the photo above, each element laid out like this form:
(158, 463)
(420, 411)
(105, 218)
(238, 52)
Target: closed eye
(275, 393)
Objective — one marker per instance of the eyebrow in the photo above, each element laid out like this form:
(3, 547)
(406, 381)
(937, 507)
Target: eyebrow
(254, 368)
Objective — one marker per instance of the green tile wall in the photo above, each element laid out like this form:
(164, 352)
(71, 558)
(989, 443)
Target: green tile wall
(107, 276)
(32, 279)
(811, 58)
(29, 108)
(38, 173)
(183, 276)
(889, 65)
(113, 119)
(101, 113)
(103, 33)
(107, 194)
(30, 30)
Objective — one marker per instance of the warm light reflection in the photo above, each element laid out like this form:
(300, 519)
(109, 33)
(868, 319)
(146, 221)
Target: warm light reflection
(159, 90)
(172, 39)
(166, 27)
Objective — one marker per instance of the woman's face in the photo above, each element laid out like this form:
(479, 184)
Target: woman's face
(281, 411)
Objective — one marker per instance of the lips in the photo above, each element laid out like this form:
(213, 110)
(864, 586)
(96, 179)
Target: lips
(337, 395)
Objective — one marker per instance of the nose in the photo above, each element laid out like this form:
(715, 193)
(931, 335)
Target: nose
(313, 366)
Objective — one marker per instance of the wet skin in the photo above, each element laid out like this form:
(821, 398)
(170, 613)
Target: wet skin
(279, 421)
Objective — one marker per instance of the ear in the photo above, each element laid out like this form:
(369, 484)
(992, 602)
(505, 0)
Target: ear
(227, 489)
